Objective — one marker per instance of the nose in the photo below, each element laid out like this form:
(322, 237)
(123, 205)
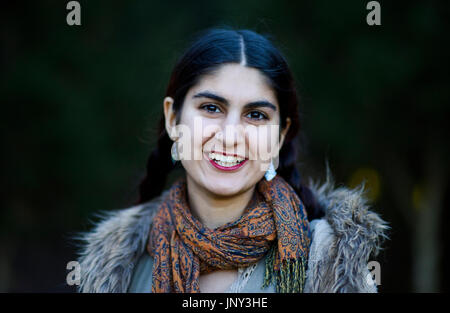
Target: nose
(232, 133)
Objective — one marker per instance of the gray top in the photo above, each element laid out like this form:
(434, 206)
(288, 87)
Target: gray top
(249, 279)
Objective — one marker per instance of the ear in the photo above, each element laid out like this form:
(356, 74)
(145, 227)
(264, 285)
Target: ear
(284, 131)
(170, 117)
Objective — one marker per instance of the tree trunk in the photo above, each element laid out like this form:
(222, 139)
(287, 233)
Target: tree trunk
(426, 241)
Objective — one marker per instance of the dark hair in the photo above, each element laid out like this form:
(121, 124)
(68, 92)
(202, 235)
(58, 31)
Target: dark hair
(211, 49)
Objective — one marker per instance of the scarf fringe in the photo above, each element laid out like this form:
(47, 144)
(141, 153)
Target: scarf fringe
(291, 276)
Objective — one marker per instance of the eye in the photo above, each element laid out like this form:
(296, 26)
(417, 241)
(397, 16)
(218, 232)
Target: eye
(210, 108)
(257, 115)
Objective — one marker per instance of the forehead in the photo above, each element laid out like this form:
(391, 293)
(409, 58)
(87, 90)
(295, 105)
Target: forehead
(237, 83)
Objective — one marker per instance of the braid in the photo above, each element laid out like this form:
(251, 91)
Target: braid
(289, 171)
(159, 165)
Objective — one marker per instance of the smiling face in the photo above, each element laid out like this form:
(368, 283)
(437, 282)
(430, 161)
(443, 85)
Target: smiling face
(227, 129)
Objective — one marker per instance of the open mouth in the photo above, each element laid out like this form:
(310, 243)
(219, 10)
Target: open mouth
(226, 162)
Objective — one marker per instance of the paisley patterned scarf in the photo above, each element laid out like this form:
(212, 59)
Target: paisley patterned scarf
(273, 223)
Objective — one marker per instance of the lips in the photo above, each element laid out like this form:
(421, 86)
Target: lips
(226, 162)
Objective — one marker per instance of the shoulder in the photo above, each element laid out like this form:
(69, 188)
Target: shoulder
(343, 240)
(109, 252)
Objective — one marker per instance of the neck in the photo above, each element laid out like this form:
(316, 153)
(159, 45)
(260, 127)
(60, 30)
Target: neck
(214, 210)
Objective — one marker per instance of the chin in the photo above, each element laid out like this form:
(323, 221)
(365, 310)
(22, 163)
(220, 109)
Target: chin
(225, 187)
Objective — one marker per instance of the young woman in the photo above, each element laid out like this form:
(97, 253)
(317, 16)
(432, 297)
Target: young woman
(238, 219)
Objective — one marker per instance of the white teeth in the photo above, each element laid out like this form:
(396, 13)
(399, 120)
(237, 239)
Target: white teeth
(226, 161)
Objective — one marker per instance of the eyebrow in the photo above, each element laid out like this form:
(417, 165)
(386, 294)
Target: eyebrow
(250, 105)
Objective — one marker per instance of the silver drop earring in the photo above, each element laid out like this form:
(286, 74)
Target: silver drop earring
(174, 153)
(270, 173)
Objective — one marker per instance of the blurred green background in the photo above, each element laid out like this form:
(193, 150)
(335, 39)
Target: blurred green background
(80, 104)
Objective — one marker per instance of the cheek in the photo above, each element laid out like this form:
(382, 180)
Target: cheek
(206, 134)
(263, 142)
(207, 128)
(192, 128)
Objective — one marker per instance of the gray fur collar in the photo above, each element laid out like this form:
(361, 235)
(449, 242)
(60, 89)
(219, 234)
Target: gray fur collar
(342, 242)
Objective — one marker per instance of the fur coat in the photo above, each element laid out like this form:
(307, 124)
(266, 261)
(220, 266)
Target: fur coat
(342, 243)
